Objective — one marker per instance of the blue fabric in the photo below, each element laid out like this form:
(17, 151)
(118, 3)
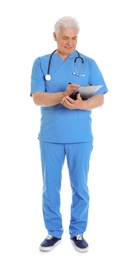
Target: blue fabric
(59, 124)
(64, 134)
(52, 158)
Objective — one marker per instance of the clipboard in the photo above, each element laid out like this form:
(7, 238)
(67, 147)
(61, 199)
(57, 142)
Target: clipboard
(85, 91)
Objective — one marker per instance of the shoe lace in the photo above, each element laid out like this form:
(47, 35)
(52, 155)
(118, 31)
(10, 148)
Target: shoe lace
(79, 237)
(49, 237)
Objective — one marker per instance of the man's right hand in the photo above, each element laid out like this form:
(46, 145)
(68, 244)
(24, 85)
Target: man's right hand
(70, 88)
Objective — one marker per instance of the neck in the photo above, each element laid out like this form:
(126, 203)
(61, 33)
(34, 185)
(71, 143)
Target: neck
(64, 56)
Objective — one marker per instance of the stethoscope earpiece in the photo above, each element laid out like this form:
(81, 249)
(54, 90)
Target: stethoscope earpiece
(79, 75)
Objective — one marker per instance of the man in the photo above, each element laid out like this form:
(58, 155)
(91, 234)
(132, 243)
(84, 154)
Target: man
(65, 130)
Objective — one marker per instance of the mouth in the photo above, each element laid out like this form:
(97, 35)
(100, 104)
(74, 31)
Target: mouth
(69, 48)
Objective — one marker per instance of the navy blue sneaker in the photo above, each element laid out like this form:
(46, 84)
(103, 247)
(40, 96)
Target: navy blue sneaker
(49, 243)
(79, 243)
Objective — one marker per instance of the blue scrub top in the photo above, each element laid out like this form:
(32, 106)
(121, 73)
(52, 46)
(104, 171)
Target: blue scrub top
(59, 124)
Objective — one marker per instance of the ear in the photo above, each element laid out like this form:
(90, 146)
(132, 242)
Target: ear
(55, 37)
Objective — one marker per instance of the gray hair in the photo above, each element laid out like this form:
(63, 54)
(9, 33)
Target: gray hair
(67, 22)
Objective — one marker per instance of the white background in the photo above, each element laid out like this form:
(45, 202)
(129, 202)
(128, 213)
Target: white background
(26, 29)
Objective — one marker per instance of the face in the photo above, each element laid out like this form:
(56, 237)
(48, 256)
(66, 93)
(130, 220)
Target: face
(66, 42)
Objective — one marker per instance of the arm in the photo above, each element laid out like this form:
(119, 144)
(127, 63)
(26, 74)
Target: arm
(89, 104)
(47, 99)
(50, 99)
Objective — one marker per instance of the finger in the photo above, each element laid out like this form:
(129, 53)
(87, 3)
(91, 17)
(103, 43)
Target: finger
(78, 96)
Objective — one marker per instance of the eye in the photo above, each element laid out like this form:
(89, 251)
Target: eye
(65, 38)
(75, 38)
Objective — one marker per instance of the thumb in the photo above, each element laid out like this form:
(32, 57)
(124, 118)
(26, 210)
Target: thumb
(78, 96)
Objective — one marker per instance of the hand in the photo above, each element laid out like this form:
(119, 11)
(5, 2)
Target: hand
(71, 103)
(70, 88)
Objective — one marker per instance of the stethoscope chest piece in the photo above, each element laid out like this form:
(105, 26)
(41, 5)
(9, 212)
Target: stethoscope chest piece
(47, 77)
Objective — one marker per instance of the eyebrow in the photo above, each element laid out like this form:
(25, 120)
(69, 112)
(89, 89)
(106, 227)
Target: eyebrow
(75, 37)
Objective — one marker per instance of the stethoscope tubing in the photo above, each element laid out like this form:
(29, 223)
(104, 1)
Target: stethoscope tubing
(49, 63)
(48, 77)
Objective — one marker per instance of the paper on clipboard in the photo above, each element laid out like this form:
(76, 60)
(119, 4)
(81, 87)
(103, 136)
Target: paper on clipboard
(86, 91)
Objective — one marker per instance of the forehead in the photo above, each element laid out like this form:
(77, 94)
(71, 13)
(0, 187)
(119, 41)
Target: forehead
(68, 32)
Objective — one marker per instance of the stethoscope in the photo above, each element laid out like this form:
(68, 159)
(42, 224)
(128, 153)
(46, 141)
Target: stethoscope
(80, 74)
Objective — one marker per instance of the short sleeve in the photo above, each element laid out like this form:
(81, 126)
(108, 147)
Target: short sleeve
(37, 78)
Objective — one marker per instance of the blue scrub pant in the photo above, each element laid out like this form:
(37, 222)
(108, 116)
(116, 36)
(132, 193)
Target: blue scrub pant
(52, 159)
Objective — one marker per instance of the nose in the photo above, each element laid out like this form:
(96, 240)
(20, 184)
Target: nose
(69, 42)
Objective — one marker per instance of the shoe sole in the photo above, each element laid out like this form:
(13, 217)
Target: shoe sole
(81, 250)
(49, 248)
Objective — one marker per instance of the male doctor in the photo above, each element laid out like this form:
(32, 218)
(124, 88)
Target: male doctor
(65, 130)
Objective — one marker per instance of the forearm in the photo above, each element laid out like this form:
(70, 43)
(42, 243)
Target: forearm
(50, 99)
(47, 99)
(89, 104)
(93, 102)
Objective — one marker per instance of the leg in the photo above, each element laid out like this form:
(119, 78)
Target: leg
(52, 159)
(78, 158)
